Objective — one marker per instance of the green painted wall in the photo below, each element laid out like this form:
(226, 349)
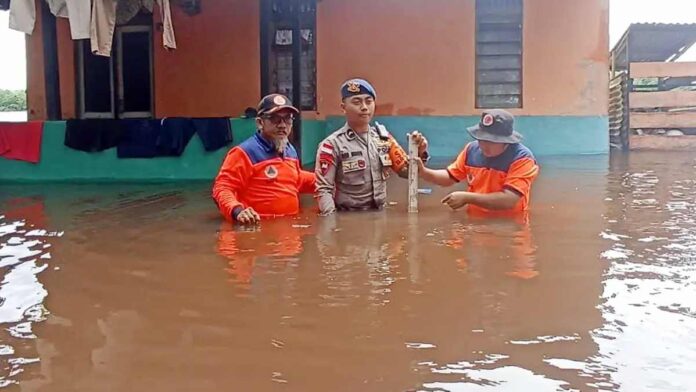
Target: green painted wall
(447, 136)
(544, 135)
(62, 163)
(313, 132)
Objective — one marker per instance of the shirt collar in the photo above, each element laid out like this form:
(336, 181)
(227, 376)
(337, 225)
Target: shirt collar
(267, 145)
(351, 134)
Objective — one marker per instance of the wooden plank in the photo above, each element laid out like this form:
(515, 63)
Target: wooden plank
(662, 70)
(616, 85)
(663, 143)
(662, 99)
(616, 98)
(663, 120)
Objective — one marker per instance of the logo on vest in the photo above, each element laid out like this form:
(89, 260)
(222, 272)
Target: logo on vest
(271, 172)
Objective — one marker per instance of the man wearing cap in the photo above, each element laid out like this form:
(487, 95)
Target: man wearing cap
(353, 163)
(498, 169)
(262, 176)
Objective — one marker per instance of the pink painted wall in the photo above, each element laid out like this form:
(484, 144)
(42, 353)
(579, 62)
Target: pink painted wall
(421, 55)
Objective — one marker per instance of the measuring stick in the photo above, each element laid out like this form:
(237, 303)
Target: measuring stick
(412, 175)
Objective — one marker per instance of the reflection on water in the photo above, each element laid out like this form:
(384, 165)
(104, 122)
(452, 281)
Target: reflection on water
(142, 287)
(24, 254)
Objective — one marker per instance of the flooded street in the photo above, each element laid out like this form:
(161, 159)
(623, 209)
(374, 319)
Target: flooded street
(141, 287)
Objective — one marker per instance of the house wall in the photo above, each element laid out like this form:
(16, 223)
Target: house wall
(419, 54)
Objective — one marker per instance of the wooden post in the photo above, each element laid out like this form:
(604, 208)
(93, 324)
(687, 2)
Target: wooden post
(412, 175)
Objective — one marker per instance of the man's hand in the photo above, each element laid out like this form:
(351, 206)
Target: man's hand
(421, 167)
(457, 200)
(421, 142)
(248, 217)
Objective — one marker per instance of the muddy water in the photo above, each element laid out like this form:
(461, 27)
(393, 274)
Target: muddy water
(142, 288)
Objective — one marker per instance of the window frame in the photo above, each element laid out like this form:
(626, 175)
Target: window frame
(115, 76)
(517, 27)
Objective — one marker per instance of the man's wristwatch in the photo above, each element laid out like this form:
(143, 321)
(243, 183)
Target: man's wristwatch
(425, 156)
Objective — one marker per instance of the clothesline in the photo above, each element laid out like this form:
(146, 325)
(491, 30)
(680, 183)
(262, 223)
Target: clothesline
(95, 20)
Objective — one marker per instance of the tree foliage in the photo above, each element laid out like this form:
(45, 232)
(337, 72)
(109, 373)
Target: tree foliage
(13, 101)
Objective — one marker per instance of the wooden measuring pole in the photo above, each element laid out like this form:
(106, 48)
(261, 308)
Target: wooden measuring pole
(412, 175)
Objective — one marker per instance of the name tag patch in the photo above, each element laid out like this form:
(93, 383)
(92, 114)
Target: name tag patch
(352, 165)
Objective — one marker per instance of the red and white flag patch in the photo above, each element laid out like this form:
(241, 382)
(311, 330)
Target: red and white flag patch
(326, 149)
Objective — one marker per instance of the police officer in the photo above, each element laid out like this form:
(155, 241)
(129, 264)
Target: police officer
(353, 163)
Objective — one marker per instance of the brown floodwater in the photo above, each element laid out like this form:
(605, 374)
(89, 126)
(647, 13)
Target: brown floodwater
(141, 287)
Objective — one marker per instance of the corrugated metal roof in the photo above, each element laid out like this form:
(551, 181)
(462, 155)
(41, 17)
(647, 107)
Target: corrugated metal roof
(656, 41)
(663, 25)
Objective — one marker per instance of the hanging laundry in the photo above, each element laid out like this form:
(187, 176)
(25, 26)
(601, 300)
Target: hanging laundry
(174, 136)
(22, 140)
(23, 15)
(127, 9)
(4, 144)
(215, 133)
(78, 13)
(103, 23)
(168, 37)
(92, 135)
(139, 138)
(58, 8)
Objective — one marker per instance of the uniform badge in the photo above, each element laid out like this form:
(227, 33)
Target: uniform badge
(279, 100)
(488, 120)
(353, 165)
(271, 172)
(324, 165)
(353, 87)
(386, 160)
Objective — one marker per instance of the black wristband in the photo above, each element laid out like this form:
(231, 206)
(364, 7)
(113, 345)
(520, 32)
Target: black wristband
(236, 211)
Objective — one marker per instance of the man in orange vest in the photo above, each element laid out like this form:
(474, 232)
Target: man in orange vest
(498, 169)
(262, 177)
